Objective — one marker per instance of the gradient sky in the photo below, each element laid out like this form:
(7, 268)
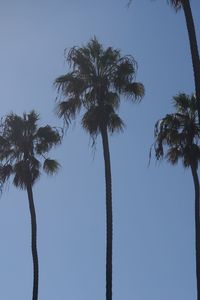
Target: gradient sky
(153, 207)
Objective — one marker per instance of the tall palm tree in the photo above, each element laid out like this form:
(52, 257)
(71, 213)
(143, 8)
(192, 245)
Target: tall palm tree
(97, 80)
(21, 145)
(177, 138)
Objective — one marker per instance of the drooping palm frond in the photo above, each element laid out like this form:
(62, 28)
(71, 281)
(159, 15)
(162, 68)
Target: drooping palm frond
(70, 84)
(5, 172)
(95, 117)
(115, 123)
(134, 91)
(173, 154)
(21, 145)
(92, 120)
(124, 71)
(26, 172)
(51, 166)
(191, 155)
(69, 109)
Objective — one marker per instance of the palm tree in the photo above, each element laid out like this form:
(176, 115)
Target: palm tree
(177, 138)
(21, 144)
(97, 80)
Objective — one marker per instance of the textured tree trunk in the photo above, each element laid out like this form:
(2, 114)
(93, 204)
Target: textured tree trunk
(197, 227)
(193, 48)
(33, 242)
(109, 216)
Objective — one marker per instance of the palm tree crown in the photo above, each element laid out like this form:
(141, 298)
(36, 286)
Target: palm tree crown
(97, 80)
(179, 133)
(21, 145)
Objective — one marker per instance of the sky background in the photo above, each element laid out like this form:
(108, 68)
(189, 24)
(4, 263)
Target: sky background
(153, 206)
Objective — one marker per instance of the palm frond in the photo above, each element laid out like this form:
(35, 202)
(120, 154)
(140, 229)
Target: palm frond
(46, 139)
(173, 154)
(191, 155)
(95, 48)
(51, 166)
(109, 61)
(186, 104)
(21, 175)
(31, 120)
(5, 172)
(70, 84)
(92, 121)
(125, 72)
(68, 109)
(115, 123)
(134, 91)
(26, 172)
(80, 59)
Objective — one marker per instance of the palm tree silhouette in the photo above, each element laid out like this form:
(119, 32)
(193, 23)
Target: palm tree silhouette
(97, 80)
(21, 145)
(177, 138)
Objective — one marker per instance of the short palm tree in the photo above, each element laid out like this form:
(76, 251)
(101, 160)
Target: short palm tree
(97, 80)
(177, 138)
(21, 145)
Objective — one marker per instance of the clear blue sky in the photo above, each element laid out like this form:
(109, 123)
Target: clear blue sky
(153, 207)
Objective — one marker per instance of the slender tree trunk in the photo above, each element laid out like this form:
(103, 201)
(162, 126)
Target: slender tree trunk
(33, 242)
(193, 48)
(197, 226)
(109, 214)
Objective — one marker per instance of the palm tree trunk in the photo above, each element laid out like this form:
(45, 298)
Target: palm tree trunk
(33, 242)
(193, 48)
(197, 226)
(109, 214)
